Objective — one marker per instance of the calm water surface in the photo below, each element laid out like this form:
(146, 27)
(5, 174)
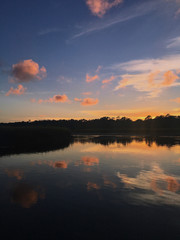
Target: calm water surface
(101, 188)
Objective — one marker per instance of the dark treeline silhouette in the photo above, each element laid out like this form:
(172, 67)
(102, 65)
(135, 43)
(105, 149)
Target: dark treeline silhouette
(160, 125)
(16, 139)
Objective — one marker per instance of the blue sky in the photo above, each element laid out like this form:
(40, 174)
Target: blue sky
(89, 58)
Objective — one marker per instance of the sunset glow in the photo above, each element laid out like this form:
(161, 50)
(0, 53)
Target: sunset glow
(108, 58)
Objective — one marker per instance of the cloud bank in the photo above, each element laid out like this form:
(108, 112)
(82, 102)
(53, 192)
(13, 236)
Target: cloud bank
(149, 75)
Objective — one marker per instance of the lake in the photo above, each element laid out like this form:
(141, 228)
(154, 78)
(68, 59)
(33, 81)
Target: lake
(99, 187)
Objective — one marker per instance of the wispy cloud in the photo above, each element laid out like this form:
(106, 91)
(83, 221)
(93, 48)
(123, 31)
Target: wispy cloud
(149, 75)
(100, 7)
(174, 42)
(48, 31)
(126, 15)
(91, 78)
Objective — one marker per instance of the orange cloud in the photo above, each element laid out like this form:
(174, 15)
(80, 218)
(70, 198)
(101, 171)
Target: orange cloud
(100, 7)
(20, 90)
(169, 78)
(177, 100)
(108, 80)
(91, 78)
(55, 99)
(90, 161)
(27, 70)
(89, 101)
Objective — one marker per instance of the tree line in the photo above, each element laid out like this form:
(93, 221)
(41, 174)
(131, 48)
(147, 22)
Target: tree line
(165, 124)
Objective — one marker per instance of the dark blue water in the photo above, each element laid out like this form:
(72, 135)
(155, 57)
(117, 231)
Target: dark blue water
(94, 189)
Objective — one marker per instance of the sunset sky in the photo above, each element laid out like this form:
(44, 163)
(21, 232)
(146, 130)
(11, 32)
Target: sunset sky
(62, 59)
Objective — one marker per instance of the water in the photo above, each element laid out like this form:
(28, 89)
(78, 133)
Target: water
(98, 187)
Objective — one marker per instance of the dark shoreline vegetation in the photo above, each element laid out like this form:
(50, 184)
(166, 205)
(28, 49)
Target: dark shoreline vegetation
(160, 125)
(47, 135)
(31, 139)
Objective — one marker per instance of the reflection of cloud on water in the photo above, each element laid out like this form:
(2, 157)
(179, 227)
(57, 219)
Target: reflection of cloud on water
(164, 186)
(92, 186)
(56, 164)
(59, 164)
(17, 173)
(26, 195)
(109, 183)
(88, 161)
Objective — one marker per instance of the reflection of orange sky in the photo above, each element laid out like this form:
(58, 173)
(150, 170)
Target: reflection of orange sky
(133, 147)
(155, 180)
(14, 173)
(26, 195)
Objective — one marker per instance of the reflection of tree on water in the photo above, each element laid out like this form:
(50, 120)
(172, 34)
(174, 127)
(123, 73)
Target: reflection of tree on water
(125, 140)
(26, 195)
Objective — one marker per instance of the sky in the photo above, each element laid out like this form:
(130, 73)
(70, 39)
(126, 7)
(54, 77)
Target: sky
(85, 59)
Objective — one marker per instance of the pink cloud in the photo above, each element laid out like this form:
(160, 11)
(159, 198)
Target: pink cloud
(55, 99)
(108, 80)
(169, 78)
(89, 101)
(91, 78)
(20, 90)
(100, 7)
(27, 71)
